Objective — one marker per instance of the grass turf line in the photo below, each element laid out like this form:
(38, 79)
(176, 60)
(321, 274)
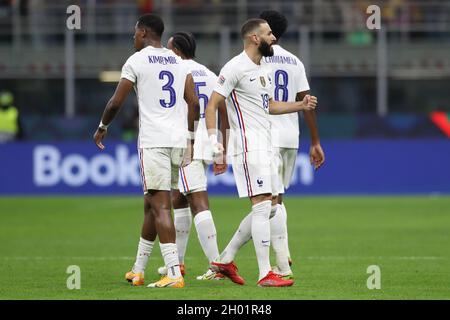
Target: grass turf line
(332, 240)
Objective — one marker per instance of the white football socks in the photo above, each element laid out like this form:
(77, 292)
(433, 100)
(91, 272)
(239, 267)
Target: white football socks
(144, 250)
(284, 215)
(278, 233)
(261, 235)
(207, 234)
(182, 221)
(240, 237)
(170, 256)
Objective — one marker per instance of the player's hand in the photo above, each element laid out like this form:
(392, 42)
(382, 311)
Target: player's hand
(220, 163)
(188, 154)
(217, 150)
(221, 166)
(316, 156)
(309, 103)
(99, 135)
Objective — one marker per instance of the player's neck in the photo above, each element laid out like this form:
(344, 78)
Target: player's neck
(254, 54)
(154, 43)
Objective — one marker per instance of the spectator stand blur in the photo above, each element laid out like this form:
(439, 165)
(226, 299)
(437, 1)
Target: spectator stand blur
(130, 123)
(331, 38)
(10, 124)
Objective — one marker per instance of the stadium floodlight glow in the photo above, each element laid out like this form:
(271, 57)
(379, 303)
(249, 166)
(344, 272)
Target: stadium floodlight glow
(109, 76)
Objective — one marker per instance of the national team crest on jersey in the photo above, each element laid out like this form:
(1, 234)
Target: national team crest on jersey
(260, 182)
(221, 80)
(263, 81)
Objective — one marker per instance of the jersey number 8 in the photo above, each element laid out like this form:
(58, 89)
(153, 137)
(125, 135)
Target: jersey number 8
(281, 86)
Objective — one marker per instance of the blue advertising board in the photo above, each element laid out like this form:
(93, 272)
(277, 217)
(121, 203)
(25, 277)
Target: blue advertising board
(351, 167)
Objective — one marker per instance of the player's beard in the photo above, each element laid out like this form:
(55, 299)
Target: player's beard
(265, 49)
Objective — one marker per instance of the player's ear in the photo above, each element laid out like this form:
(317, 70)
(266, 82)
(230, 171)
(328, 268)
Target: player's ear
(176, 51)
(141, 32)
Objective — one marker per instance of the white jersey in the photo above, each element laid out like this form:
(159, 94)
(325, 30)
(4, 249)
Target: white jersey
(289, 78)
(204, 80)
(247, 88)
(159, 78)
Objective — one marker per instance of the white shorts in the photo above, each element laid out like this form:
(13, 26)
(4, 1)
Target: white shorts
(159, 168)
(285, 158)
(193, 177)
(255, 173)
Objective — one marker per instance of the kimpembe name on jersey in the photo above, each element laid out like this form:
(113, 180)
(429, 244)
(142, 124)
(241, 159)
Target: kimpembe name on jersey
(162, 60)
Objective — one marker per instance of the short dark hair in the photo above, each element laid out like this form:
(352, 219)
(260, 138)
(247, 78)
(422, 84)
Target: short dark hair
(185, 42)
(152, 22)
(250, 25)
(277, 22)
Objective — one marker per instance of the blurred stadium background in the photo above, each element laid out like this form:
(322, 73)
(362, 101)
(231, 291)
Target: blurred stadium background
(383, 116)
(373, 84)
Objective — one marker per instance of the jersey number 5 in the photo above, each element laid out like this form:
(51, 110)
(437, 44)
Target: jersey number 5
(168, 87)
(201, 96)
(281, 86)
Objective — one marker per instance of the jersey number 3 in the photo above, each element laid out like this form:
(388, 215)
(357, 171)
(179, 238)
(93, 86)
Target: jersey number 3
(168, 87)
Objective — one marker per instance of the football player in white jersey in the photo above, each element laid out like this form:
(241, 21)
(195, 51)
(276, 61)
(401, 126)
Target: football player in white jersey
(161, 81)
(290, 84)
(192, 183)
(245, 83)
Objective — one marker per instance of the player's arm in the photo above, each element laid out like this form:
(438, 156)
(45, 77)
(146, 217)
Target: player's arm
(316, 154)
(214, 102)
(229, 77)
(278, 107)
(112, 108)
(223, 123)
(190, 96)
(221, 165)
(192, 101)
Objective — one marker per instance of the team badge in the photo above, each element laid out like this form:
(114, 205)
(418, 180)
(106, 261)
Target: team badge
(263, 81)
(221, 80)
(260, 182)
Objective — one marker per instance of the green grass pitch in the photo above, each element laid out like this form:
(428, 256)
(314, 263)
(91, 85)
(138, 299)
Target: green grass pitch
(332, 240)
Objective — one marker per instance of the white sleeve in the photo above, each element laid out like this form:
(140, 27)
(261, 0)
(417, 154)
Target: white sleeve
(187, 67)
(227, 81)
(302, 84)
(128, 71)
(211, 81)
